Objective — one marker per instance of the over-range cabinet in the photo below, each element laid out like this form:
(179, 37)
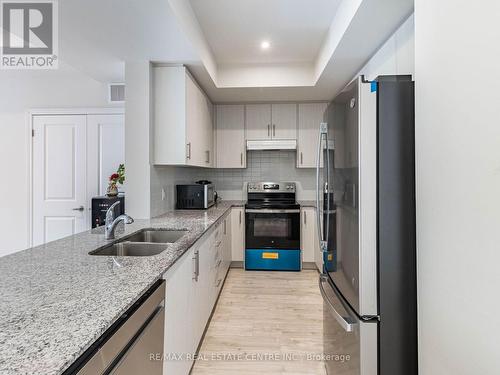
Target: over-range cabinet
(366, 225)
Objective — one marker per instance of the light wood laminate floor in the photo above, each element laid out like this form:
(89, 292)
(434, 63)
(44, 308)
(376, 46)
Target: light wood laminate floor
(265, 323)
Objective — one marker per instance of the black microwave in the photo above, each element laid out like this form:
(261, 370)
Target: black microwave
(195, 196)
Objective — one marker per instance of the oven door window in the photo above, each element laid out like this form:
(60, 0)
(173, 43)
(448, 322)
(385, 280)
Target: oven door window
(269, 227)
(280, 231)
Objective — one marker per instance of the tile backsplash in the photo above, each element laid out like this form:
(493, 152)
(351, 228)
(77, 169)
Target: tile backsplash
(231, 183)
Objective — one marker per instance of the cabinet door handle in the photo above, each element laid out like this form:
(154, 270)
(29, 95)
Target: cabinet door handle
(268, 129)
(224, 226)
(274, 130)
(301, 158)
(241, 158)
(188, 146)
(196, 263)
(305, 217)
(194, 266)
(218, 283)
(208, 156)
(240, 217)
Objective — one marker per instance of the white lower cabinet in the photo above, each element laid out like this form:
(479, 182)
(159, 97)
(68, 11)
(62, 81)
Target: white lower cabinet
(226, 256)
(193, 284)
(309, 242)
(237, 234)
(179, 315)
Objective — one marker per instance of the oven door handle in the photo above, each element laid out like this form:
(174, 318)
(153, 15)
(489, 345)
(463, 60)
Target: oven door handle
(271, 211)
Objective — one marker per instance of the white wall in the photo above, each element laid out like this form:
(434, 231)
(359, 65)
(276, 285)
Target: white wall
(396, 55)
(458, 185)
(21, 91)
(231, 183)
(138, 136)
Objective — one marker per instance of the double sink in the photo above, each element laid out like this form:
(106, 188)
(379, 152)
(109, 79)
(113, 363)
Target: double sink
(147, 242)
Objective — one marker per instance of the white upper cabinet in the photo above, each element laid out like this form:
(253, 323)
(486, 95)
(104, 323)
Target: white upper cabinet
(183, 125)
(284, 121)
(271, 121)
(310, 116)
(258, 119)
(230, 134)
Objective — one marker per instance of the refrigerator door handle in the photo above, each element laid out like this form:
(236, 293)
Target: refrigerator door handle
(327, 187)
(346, 322)
(323, 129)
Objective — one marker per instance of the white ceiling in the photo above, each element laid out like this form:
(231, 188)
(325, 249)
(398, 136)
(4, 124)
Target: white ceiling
(357, 30)
(234, 30)
(169, 32)
(98, 36)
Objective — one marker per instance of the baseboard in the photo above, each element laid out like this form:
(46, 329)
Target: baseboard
(305, 265)
(309, 266)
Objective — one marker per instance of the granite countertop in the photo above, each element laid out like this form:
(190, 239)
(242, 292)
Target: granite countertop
(56, 300)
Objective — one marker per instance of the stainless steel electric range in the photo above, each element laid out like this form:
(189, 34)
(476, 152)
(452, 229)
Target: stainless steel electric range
(272, 227)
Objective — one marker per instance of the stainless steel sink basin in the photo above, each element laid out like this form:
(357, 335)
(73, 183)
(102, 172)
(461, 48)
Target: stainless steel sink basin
(156, 236)
(147, 242)
(131, 249)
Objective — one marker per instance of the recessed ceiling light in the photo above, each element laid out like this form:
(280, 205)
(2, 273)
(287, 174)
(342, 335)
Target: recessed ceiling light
(265, 44)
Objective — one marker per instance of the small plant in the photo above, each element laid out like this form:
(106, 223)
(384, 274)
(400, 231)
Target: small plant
(115, 179)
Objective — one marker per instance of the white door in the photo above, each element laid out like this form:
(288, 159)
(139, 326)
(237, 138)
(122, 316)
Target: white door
(231, 150)
(258, 121)
(284, 124)
(106, 150)
(310, 116)
(59, 177)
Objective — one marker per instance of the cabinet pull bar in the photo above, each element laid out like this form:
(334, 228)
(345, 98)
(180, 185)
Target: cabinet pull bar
(194, 267)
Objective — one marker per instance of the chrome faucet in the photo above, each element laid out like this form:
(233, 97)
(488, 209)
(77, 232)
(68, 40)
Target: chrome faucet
(111, 222)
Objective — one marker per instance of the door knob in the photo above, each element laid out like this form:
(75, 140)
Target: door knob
(81, 208)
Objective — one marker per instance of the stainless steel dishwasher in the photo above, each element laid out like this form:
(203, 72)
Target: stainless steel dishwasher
(133, 345)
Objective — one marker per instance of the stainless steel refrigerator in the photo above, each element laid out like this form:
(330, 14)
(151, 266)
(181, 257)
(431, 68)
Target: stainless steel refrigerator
(366, 228)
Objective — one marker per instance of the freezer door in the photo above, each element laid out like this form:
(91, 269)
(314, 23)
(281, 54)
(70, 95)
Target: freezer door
(349, 344)
(352, 264)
